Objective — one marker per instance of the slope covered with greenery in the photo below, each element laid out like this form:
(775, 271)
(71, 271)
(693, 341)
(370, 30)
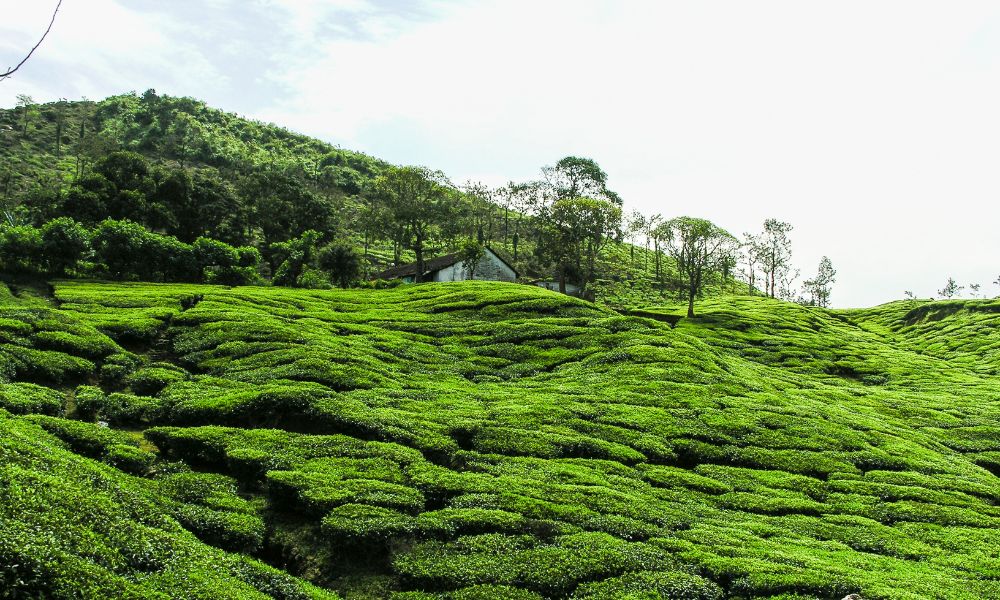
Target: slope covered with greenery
(294, 210)
(483, 440)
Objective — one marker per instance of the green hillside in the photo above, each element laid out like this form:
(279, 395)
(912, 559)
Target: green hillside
(183, 170)
(484, 440)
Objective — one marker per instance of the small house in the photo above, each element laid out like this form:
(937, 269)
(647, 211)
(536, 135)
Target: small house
(572, 289)
(491, 267)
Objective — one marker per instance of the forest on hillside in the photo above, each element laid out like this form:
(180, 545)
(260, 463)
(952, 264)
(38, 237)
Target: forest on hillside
(206, 196)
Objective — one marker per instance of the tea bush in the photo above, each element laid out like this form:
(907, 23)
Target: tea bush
(476, 440)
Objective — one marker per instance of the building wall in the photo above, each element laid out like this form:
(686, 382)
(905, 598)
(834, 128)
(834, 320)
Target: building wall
(490, 268)
(571, 288)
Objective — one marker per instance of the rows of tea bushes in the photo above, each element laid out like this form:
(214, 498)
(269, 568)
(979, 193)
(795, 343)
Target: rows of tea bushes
(71, 527)
(484, 440)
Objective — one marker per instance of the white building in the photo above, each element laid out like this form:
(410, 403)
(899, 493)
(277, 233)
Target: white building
(491, 267)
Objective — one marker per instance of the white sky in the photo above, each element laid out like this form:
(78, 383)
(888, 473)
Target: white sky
(872, 126)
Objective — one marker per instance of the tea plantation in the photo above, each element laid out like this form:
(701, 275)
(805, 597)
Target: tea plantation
(482, 440)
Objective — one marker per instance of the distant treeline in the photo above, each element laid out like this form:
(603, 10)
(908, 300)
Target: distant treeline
(310, 212)
(125, 250)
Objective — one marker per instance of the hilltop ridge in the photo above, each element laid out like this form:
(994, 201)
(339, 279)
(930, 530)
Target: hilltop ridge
(183, 170)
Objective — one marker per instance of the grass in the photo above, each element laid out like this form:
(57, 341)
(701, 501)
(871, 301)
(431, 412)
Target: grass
(483, 440)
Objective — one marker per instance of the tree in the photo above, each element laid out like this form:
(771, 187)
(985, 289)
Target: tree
(635, 225)
(118, 245)
(698, 247)
(652, 224)
(60, 124)
(751, 257)
(472, 253)
(974, 289)
(660, 235)
(419, 201)
(342, 262)
(294, 258)
(27, 105)
(575, 177)
(525, 199)
(21, 249)
(87, 199)
(283, 208)
(64, 242)
(727, 263)
(132, 183)
(775, 254)
(576, 230)
(951, 289)
(819, 287)
(218, 262)
(14, 69)
(481, 205)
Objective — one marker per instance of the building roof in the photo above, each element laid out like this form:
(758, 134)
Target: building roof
(434, 264)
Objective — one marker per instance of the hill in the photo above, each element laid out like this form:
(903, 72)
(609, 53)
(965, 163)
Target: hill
(185, 170)
(481, 440)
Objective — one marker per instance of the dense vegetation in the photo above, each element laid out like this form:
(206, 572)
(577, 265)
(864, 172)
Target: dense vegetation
(484, 440)
(314, 213)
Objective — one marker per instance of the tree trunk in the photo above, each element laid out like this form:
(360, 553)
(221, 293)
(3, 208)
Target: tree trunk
(562, 278)
(656, 258)
(418, 249)
(506, 220)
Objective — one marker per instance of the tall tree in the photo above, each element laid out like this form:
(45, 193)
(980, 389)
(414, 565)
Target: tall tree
(527, 199)
(27, 105)
(481, 203)
(342, 262)
(420, 201)
(283, 207)
(635, 225)
(699, 248)
(820, 286)
(751, 257)
(64, 242)
(951, 289)
(60, 124)
(575, 177)
(652, 225)
(472, 254)
(775, 253)
(575, 230)
(14, 69)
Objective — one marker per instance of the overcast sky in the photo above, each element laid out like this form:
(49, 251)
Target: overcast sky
(873, 126)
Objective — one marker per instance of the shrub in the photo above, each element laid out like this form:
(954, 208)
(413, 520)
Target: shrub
(368, 523)
(27, 398)
(648, 585)
(64, 242)
(149, 381)
(21, 249)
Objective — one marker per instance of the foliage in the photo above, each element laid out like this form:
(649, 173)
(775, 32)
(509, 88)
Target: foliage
(342, 262)
(699, 248)
(819, 286)
(474, 440)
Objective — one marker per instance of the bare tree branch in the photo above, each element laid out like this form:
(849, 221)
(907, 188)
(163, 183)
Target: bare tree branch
(32, 51)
